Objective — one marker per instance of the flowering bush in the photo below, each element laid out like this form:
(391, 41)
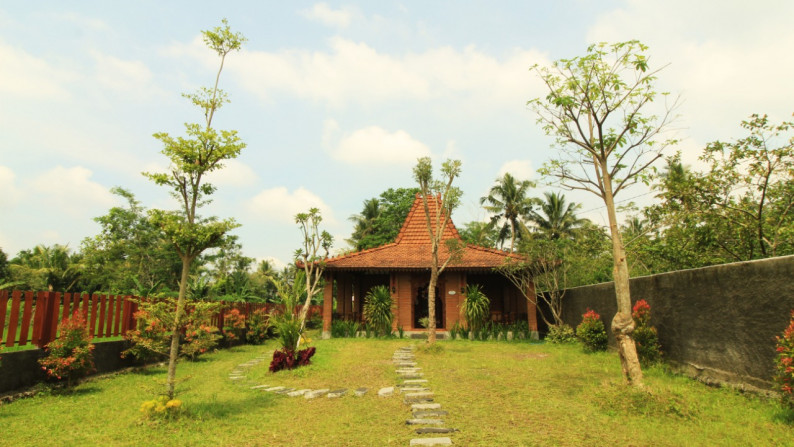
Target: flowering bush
(70, 356)
(152, 338)
(784, 364)
(560, 334)
(233, 325)
(162, 408)
(644, 335)
(592, 332)
(286, 359)
(259, 328)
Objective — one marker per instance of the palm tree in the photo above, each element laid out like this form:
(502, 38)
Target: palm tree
(507, 201)
(556, 218)
(364, 222)
(55, 266)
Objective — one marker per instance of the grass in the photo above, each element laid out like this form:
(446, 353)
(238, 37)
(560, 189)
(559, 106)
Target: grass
(497, 394)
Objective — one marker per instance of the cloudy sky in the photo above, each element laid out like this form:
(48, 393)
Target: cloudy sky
(336, 100)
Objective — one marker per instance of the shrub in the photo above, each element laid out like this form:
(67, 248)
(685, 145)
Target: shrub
(476, 308)
(152, 337)
(454, 331)
(233, 325)
(70, 356)
(259, 328)
(784, 364)
(591, 332)
(288, 329)
(378, 310)
(645, 336)
(288, 359)
(162, 408)
(520, 330)
(344, 328)
(561, 334)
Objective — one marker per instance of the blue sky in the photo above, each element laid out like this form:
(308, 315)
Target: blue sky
(337, 100)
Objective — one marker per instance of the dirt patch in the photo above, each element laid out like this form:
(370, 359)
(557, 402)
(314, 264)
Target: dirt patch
(531, 356)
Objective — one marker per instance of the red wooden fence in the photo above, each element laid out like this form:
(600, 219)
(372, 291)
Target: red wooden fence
(105, 315)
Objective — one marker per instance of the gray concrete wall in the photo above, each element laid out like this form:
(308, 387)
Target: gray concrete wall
(716, 323)
(21, 369)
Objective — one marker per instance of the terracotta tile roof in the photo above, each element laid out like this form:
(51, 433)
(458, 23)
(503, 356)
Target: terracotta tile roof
(412, 249)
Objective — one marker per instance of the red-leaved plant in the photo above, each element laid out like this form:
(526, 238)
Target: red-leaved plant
(784, 364)
(70, 356)
(284, 359)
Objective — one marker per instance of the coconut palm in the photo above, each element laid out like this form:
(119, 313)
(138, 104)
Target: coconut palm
(508, 202)
(556, 218)
(364, 222)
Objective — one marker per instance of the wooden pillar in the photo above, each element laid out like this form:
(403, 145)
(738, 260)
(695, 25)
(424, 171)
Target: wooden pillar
(394, 301)
(328, 305)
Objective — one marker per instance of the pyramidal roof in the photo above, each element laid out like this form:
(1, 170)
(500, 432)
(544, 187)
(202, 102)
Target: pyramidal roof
(411, 250)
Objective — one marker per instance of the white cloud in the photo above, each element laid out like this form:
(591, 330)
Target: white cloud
(71, 191)
(321, 12)
(520, 169)
(120, 74)
(452, 151)
(280, 205)
(26, 76)
(375, 145)
(351, 72)
(233, 173)
(10, 195)
(727, 57)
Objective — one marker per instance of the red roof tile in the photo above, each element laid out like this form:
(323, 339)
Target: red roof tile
(412, 248)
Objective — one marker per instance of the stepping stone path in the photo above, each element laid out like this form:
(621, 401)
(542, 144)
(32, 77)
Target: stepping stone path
(426, 414)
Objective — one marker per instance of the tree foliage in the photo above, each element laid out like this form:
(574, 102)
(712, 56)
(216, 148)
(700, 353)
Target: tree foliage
(381, 218)
(507, 202)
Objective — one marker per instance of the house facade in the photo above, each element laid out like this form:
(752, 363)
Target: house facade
(404, 267)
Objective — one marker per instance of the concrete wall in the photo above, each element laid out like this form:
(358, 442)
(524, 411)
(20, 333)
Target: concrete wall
(21, 369)
(717, 323)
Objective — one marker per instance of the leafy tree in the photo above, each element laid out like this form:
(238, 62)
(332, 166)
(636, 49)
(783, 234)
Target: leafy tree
(53, 268)
(392, 209)
(447, 198)
(508, 202)
(364, 222)
(202, 151)
(596, 109)
(5, 272)
(556, 218)
(479, 233)
(130, 254)
(742, 208)
(310, 258)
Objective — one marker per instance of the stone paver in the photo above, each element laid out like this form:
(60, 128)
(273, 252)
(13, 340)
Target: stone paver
(434, 430)
(424, 422)
(361, 391)
(297, 393)
(316, 393)
(425, 407)
(430, 414)
(274, 389)
(337, 393)
(431, 441)
(386, 392)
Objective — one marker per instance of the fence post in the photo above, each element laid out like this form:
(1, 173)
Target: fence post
(49, 314)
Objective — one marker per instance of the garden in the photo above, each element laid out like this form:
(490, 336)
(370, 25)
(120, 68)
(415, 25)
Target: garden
(496, 392)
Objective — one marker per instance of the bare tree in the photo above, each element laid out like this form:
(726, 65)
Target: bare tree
(447, 198)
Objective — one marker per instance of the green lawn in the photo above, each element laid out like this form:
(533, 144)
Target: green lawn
(498, 394)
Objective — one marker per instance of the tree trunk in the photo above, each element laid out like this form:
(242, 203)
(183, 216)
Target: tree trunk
(622, 322)
(431, 305)
(180, 310)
